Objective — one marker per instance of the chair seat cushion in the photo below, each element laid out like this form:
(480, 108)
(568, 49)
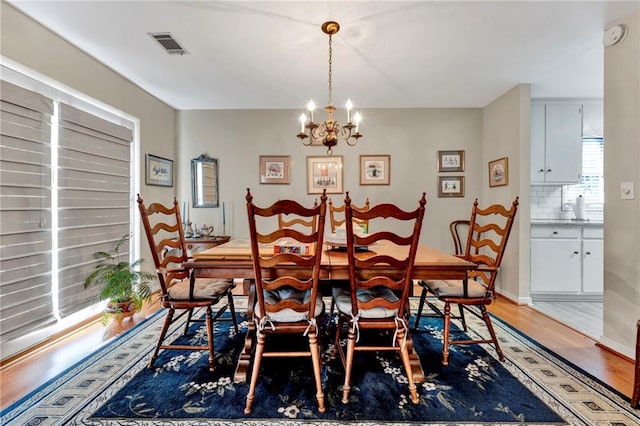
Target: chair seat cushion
(342, 297)
(454, 288)
(272, 297)
(204, 289)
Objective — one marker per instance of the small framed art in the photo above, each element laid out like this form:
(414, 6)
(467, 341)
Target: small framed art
(451, 161)
(375, 169)
(499, 172)
(159, 171)
(274, 169)
(450, 186)
(324, 173)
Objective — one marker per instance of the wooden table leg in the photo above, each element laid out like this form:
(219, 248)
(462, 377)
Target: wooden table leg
(244, 360)
(416, 366)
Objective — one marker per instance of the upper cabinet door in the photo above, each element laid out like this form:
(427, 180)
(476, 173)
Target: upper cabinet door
(563, 143)
(556, 143)
(537, 143)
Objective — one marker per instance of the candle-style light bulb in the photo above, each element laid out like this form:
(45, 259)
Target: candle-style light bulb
(311, 107)
(303, 119)
(356, 118)
(349, 106)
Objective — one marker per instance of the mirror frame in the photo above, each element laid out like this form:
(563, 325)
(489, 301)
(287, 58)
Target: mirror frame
(196, 185)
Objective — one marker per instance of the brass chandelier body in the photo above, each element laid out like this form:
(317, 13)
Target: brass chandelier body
(330, 130)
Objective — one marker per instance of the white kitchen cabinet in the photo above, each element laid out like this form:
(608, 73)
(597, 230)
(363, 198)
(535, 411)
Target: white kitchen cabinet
(566, 262)
(556, 143)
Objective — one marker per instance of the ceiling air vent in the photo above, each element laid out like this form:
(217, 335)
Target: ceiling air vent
(168, 43)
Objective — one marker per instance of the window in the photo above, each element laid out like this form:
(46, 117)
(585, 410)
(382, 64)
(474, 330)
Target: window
(65, 193)
(591, 186)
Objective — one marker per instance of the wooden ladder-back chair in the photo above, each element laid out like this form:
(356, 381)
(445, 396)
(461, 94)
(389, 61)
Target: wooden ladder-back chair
(378, 295)
(458, 229)
(284, 221)
(336, 221)
(286, 285)
(179, 289)
(487, 238)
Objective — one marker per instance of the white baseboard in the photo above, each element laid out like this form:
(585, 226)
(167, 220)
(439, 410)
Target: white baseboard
(518, 300)
(616, 346)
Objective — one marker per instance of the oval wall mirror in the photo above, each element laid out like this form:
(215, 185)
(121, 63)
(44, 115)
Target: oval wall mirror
(204, 182)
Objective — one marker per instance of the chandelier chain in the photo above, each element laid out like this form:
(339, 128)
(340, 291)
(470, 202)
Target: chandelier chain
(330, 67)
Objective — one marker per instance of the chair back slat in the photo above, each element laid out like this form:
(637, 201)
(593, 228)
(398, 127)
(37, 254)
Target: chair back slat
(337, 217)
(288, 218)
(488, 233)
(395, 270)
(276, 272)
(165, 235)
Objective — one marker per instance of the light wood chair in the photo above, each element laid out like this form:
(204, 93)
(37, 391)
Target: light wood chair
(377, 298)
(296, 221)
(286, 286)
(635, 399)
(337, 217)
(179, 290)
(487, 238)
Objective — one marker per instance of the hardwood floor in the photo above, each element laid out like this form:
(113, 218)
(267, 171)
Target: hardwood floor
(20, 376)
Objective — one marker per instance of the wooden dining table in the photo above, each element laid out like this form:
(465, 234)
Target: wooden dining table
(233, 260)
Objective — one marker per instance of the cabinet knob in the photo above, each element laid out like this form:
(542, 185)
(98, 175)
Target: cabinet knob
(575, 252)
(588, 253)
(548, 170)
(555, 232)
(541, 170)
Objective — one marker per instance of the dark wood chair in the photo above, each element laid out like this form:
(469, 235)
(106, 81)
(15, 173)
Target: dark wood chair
(377, 298)
(179, 290)
(487, 238)
(337, 216)
(635, 399)
(292, 220)
(459, 229)
(286, 284)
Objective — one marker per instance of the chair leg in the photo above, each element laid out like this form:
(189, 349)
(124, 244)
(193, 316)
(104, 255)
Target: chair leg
(315, 358)
(404, 355)
(209, 322)
(165, 327)
(232, 308)
(464, 323)
(257, 359)
(188, 322)
(445, 339)
(487, 320)
(351, 347)
(423, 296)
(336, 343)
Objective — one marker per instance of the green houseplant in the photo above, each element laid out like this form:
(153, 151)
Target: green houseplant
(122, 284)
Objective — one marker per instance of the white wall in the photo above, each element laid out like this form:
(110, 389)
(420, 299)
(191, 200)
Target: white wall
(622, 164)
(411, 136)
(507, 133)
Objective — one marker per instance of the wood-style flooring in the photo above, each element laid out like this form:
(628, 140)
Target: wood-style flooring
(20, 376)
(586, 317)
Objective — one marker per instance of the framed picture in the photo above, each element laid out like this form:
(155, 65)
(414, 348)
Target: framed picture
(450, 186)
(324, 172)
(375, 169)
(499, 172)
(451, 161)
(159, 171)
(275, 169)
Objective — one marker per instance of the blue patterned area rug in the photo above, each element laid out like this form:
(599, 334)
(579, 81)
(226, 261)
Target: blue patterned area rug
(114, 387)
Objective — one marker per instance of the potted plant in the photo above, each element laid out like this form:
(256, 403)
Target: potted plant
(125, 287)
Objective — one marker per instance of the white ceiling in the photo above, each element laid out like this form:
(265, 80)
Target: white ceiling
(267, 54)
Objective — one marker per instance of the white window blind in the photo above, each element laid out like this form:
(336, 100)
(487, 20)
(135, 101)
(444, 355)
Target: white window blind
(25, 211)
(591, 186)
(94, 187)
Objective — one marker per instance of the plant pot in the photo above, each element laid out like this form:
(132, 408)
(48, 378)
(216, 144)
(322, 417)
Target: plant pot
(120, 310)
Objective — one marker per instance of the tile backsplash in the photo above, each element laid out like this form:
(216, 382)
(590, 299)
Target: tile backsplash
(546, 203)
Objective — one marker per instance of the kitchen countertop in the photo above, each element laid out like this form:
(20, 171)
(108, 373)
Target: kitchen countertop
(566, 222)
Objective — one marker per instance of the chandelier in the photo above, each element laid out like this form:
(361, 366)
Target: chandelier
(329, 131)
